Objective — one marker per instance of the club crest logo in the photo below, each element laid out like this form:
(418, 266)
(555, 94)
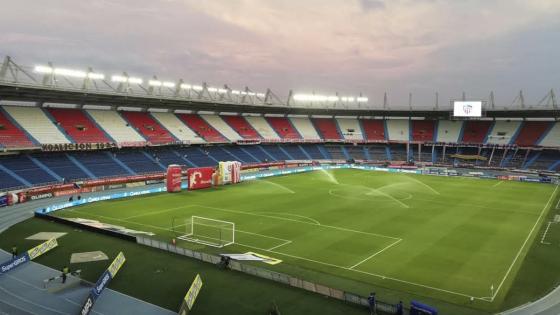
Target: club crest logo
(467, 109)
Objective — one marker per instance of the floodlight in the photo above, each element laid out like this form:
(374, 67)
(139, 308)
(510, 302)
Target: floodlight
(96, 76)
(197, 88)
(261, 95)
(154, 83)
(235, 92)
(186, 86)
(135, 80)
(43, 69)
(212, 89)
(118, 78)
(251, 94)
(362, 99)
(222, 91)
(169, 84)
(70, 72)
(332, 98)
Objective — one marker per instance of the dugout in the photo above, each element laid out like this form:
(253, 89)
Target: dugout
(417, 308)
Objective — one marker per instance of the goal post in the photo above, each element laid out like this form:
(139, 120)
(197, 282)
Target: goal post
(207, 231)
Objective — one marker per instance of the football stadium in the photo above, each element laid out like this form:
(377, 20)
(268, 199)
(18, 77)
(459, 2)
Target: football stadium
(122, 192)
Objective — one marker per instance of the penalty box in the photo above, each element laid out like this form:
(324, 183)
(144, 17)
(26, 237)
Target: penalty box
(310, 241)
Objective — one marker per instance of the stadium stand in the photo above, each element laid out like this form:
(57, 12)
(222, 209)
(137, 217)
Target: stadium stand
(177, 127)
(552, 137)
(25, 168)
(140, 161)
(276, 152)
(531, 132)
(476, 131)
(115, 126)
(36, 123)
(77, 125)
(10, 134)
(222, 127)
(350, 128)
(305, 128)
(398, 129)
(327, 128)
(283, 127)
(9, 181)
(100, 163)
(503, 132)
(148, 127)
(262, 127)
(449, 131)
(315, 151)
(374, 130)
(60, 164)
(423, 130)
(242, 127)
(202, 128)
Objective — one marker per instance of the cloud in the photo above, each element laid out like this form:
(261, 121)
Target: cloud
(368, 5)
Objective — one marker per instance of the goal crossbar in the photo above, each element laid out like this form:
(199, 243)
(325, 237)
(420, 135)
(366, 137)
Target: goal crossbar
(208, 231)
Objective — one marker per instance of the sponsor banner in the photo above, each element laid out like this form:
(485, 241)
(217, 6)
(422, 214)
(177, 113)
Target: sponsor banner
(191, 295)
(4, 200)
(115, 186)
(173, 178)
(85, 200)
(228, 172)
(102, 283)
(27, 256)
(77, 146)
(41, 196)
(200, 177)
(42, 248)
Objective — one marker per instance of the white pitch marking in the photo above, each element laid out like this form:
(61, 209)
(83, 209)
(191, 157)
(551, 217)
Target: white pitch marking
(376, 253)
(294, 215)
(498, 183)
(424, 184)
(277, 246)
(278, 185)
(366, 273)
(558, 204)
(303, 222)
(525, 243)
(544, 234)
(156, 212)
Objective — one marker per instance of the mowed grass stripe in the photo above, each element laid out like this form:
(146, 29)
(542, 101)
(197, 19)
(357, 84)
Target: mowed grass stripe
(459, 241)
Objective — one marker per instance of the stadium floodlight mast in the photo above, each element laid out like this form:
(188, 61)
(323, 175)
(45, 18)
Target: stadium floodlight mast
(69, 72)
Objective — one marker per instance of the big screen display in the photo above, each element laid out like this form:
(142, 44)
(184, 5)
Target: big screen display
(467, 109)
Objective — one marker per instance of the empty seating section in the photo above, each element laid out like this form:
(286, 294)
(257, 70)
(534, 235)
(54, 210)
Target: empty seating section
(100, 163)
(276, 152)
(177, 128)
(552, 138)
(219, 154)
(147, 126)
(8, 181)
(240, 153)
(503, 132)
(313, 151)
(11, 136)
(531, 132)
(138, 162)
(202, 128)
(398, 129)
(26, 169)
(327, 128)
(356, 152)
(283, 127)
(398, 152)
(295, 152)
(423, 130)
(168, 156)
(449, 131)
(305, 128)
(77, 125)
(262, 127)
(350, 128)
(378, 153)
(242, 127)
(222, 127)
(62, 166)
(37, 124)
(544, 160)
(476, 131)
(256, 152)
(335, 152)
(374, 130)
(115, 126)
(198, 156)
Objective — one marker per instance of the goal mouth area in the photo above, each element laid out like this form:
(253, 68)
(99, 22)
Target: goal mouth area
(204, 240)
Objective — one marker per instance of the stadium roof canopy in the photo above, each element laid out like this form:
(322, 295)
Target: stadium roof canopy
(48, 84)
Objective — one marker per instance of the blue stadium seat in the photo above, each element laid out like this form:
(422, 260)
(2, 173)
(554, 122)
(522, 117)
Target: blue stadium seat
(25, 168)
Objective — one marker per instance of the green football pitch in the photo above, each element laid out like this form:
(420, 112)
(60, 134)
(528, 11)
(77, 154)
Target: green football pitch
(444, 238)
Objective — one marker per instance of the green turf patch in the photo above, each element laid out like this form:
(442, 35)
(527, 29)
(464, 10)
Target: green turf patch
(436, 238)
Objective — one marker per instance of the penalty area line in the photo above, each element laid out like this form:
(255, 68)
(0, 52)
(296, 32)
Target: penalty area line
(375, 254)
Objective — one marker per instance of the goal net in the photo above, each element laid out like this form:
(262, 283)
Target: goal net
(208, 231)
